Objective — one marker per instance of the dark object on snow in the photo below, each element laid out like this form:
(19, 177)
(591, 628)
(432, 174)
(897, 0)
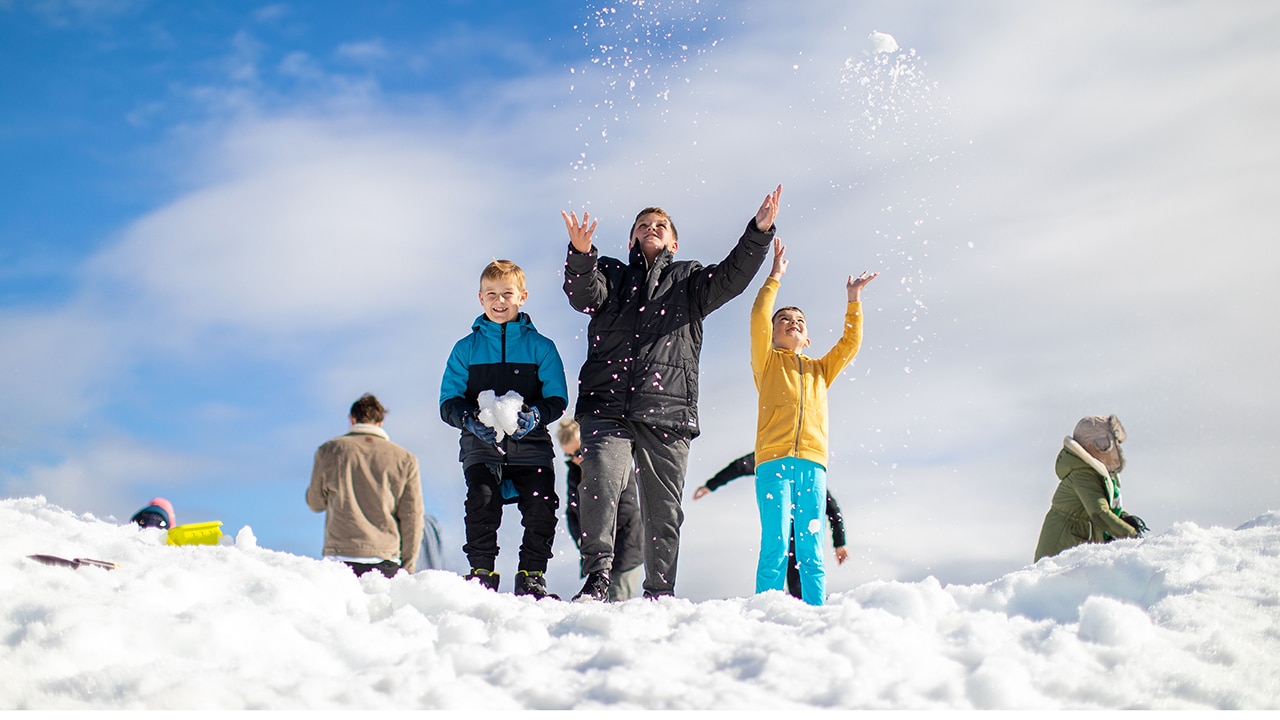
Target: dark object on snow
(1135, 522)
(596, 588)
(534, 584)
(74, 564)
(486, 578)
(157, 514)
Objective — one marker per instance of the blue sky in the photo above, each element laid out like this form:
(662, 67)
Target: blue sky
(222, 222)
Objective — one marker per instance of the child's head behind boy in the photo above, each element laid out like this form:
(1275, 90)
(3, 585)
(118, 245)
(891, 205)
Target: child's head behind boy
(502, 291)
(789, 329)
(569, 435)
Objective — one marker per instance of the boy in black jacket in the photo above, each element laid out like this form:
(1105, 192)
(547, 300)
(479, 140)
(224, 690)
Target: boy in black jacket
(638, 388)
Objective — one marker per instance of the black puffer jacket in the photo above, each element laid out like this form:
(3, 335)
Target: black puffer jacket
(645, 333)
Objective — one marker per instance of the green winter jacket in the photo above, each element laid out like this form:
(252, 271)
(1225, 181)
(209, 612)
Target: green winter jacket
(1082, 509)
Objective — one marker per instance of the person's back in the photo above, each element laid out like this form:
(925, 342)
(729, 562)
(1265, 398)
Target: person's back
(370, 490)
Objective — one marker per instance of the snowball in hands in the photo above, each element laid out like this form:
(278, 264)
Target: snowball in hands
(500, 413)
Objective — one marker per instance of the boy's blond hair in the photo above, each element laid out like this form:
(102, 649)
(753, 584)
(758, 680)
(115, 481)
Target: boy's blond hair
(503, 270)
(655, 211)
(567, 430)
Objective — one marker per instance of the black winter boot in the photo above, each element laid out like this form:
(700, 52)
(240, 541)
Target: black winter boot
(487, 578)
(531, 582)
(596, 588)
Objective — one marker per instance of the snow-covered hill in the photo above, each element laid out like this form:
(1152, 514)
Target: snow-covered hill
(1186, 619)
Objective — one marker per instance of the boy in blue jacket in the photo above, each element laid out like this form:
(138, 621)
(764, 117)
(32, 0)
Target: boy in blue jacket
(505, 353)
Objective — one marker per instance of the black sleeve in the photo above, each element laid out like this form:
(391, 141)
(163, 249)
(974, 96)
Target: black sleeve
(837, 521)
(745, 465)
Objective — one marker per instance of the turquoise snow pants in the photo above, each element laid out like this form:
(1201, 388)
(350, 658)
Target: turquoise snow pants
(791, 490)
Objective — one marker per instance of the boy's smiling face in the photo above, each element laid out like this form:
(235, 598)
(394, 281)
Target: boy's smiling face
(790, 331)
(502, 299)
(654, 233)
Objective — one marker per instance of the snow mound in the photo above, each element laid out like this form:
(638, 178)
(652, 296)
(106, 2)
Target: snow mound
(1186, 619)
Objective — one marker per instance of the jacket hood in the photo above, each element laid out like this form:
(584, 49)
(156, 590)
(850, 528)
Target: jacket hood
(1073, 447)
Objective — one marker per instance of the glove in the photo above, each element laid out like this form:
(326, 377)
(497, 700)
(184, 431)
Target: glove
(1135, 522)
(526, 422)
(473, 425)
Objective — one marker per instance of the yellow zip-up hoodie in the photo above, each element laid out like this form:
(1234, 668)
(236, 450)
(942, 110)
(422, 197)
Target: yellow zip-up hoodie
(792, 419)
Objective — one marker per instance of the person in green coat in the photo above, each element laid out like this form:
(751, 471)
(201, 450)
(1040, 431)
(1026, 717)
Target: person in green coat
(1086, 506)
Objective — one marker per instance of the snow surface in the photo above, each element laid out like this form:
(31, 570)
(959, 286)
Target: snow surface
(1185, 619)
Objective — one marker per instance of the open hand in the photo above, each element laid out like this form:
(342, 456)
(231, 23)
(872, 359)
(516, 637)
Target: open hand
(855, 284)
(780, 262)
(580, 234)
(768, 210)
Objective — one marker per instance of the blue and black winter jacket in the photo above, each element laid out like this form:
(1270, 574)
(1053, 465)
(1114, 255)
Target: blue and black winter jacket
(504, 357)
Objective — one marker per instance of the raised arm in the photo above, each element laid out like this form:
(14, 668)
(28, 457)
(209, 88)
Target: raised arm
(846, 348)
(717, 284)
(584, 284)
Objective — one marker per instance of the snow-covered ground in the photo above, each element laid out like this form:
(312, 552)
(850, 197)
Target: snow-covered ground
(1189, 618)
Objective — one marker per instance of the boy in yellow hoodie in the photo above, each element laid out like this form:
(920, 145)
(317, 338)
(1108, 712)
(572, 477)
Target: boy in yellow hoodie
(791, 429)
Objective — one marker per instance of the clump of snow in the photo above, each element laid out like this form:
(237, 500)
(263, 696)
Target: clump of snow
(1186, 619)
(883, 42)
(500, 413)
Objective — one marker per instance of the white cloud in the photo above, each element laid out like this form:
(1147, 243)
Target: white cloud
(366, 52)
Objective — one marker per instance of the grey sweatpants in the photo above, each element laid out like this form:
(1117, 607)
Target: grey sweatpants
(610, 451)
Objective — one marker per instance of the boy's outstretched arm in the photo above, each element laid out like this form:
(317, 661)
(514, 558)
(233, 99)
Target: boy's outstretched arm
(584, 284)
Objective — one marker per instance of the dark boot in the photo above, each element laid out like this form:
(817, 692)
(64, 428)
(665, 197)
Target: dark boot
(531, 582)
(596, 588)
(487, 578)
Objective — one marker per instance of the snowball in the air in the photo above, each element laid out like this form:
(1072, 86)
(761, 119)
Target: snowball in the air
(500, 413)
(883, 42)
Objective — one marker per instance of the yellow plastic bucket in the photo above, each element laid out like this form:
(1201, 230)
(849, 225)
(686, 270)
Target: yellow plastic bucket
(205, 533)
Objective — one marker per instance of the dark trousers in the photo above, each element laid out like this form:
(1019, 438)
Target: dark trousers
(386, 567)
(614, 453)
(483, 513)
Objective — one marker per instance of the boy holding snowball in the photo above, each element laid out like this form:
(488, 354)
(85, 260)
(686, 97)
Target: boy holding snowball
(503, 384)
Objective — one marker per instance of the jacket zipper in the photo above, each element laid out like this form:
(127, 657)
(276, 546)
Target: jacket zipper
(795, 452)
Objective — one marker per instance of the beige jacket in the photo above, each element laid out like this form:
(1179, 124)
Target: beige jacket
(370, 489)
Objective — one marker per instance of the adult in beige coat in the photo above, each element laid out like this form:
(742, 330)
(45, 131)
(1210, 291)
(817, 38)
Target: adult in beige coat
(1086, 506)
(370, 491)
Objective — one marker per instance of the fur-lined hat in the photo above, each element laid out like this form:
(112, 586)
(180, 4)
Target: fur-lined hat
(1101, 437)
